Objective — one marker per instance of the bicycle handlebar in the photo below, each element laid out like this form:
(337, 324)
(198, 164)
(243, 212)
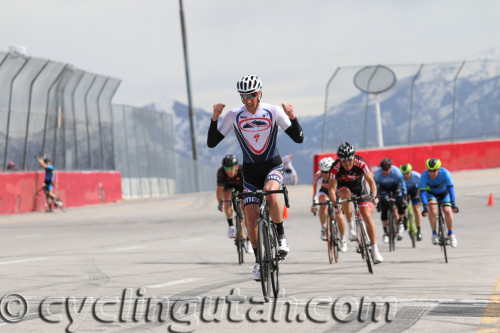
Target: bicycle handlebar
(261, 193)
(327, 203)
(355, 198)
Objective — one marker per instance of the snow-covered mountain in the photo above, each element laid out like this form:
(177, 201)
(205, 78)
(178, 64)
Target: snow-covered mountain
(476, 116)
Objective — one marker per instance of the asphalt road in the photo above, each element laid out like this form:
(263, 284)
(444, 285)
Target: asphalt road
(100, 268)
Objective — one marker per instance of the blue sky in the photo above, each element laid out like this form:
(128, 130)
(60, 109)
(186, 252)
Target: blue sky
(294, 46)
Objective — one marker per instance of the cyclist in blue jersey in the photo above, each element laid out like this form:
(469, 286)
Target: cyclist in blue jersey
(255, 125)
(436, 185)
(412, 179)
(49, 183)
(390, 184)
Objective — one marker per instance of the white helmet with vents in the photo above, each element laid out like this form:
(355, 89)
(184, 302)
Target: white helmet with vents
(249, 84)
(326, 164)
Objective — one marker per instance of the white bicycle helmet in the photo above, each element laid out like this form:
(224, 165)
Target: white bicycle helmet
(249, 84)
(326, 164)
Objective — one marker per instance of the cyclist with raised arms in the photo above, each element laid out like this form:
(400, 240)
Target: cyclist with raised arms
(320, 194)
(255, 125)
(436, 186)
(390, 184)
(412, 179)
(348, 175)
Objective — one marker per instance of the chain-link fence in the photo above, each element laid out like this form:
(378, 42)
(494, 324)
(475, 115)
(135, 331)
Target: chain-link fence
(65, 113)
(429, 103)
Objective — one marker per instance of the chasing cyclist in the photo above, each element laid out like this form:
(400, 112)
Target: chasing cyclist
(348, 175)
(48, 184)
(412, 179)
(436, 186)
(390, 184)
(320, 194)
(255, 125)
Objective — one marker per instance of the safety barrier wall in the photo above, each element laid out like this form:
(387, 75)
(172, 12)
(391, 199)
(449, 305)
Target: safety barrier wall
(19, 191)
(454, 156)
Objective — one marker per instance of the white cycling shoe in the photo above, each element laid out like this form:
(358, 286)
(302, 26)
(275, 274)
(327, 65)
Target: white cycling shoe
(283, 248)
(230, 231)
(256, 272)
(352, 235)
(343, 245)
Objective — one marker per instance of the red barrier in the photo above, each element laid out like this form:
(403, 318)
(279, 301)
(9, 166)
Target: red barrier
(19, 190)
(454, 156)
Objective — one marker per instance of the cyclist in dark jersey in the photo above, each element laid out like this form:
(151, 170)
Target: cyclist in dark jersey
(229, 177)
(48, 183)
(348, 175)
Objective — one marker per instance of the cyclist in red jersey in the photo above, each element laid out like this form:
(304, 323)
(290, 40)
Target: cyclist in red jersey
(348, 175)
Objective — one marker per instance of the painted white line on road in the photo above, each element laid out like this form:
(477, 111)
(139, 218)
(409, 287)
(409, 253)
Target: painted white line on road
(128, 248)
(27, 235)
(22, 260)
(193, 239)
(173, 283)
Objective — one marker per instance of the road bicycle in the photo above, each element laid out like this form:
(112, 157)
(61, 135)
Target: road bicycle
(267, 239)
(443, 237)
(410, 222)
(363, 245)
(240, 236)
(332, 232)
(47, 199)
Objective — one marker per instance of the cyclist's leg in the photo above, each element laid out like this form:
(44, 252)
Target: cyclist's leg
(251, 216)
(432, 215)
(226, 206)
(323, 210)
(448, 216)
(345, 193)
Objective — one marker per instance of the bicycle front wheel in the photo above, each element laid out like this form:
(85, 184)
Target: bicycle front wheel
(274, 269)
(264, 254)
(363, 244)
(392, 230)
(443, 237)
(412, 228)
(239, 239)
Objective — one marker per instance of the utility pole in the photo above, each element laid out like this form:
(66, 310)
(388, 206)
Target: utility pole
(192, 119)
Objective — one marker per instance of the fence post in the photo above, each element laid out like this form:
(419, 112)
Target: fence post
(454, 100)
(9, 111)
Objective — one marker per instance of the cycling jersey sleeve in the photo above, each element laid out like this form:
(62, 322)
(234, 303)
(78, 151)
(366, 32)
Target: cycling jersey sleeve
(295, 131)
(214, 136)
(451, 191)
(423, 197)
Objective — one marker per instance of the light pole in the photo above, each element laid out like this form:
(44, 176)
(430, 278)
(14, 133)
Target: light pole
(192, 119)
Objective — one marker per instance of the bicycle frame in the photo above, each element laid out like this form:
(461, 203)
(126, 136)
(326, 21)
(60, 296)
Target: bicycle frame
(363, 241)
(239, 238)
(332, 232)
(410, 221)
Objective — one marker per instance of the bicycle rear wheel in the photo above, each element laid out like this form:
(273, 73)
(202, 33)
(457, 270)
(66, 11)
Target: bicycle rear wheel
(264, 254)
(363, 244)
(442, 236)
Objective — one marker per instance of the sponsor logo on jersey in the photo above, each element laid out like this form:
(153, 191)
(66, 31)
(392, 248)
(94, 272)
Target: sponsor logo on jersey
(254, 125)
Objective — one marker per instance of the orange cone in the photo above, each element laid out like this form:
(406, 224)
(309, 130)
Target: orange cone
(285, 213)
(490, 200)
